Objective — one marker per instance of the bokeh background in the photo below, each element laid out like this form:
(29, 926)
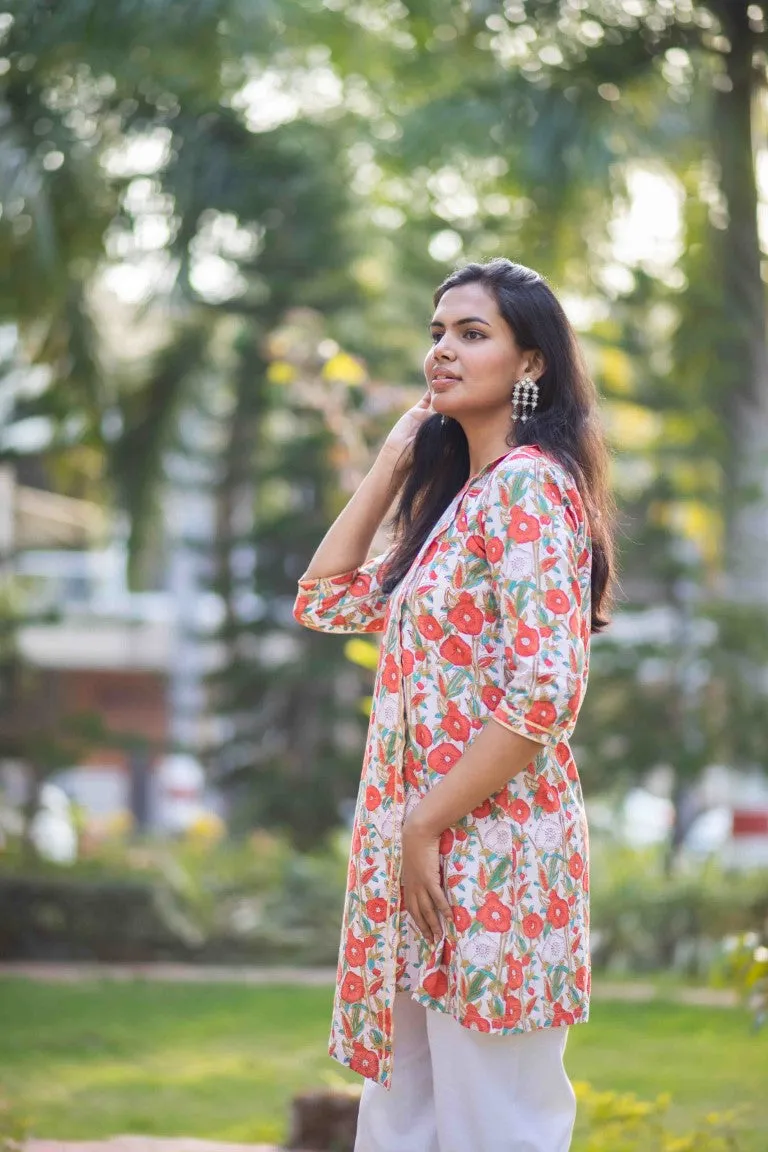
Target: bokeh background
(221, 224)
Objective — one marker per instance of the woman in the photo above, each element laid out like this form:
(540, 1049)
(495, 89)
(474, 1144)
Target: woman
(464, 952)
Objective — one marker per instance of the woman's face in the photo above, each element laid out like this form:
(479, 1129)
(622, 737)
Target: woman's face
(474, 361)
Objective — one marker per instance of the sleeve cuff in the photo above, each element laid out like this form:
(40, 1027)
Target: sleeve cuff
(524, 727)
(328, 584)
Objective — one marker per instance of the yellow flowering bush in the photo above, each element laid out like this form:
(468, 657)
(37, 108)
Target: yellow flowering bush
(743, 965)
(206, 830)
(620, 1122)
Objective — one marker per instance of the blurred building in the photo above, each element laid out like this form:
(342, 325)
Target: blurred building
(121, 656)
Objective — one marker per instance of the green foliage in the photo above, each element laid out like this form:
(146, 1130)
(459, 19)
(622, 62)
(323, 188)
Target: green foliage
(619, 1122)
(743, 964)
(644, 920)
(14, 1127)
(455, 135)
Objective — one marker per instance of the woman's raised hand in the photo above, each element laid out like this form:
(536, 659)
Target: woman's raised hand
(399, 442)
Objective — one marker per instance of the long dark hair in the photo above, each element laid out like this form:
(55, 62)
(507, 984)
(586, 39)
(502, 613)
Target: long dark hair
(565, 425)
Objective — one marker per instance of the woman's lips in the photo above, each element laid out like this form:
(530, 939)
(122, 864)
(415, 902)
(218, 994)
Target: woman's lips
(440, 383)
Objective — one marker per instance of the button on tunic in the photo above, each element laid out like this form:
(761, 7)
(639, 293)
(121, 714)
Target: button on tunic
(490, 625)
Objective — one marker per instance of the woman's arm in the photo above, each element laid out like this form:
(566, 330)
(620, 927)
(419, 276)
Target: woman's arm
(346, 543)
(495, 755)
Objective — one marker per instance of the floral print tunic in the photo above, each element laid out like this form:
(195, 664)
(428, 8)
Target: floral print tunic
(491, 624)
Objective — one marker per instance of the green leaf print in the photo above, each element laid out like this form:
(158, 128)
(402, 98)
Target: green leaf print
(499, 874)
(558, 983)
(476, 986)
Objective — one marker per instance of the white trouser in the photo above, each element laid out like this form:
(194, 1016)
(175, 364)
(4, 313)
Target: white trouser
(455, 1090)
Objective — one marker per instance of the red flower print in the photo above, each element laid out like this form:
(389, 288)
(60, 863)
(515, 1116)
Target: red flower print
(476, 545)
(429, 627)
(491, 696)
(514, 975)
(523, 527)
(466, 617)
(423, 735)
(483, 809)
(519, 811)
(494, 916)
(411, 769)
(364, 1061)
(494, 549)
(581, 978)
(351, 878)
(557, 913)
(532, 925)
(576, 866)
(430, 552)
(562, 752)
(352, 988)
(384, 1019)
(456, 725)
(436, 984)
(390, 674)
(561, 1017)
(571, 771)
(473, 1019)
(357, 842)
(446, 842)
(461, 918)
(456, 651)
(546, 796)
(376, 909)
(557, 601)
(552, 493)
(541, 715)
(300, 605)
(513, 1010)
(372, 798)
(526, 640)
(361, 585)
(354, 950)
(408, 662)
(442, 758)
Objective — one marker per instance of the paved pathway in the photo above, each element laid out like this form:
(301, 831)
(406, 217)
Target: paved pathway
(71, 973)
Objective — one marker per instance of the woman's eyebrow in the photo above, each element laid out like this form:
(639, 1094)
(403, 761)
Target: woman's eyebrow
(466, 320)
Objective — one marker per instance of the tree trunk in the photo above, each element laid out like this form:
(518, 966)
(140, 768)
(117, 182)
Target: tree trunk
(745, 407)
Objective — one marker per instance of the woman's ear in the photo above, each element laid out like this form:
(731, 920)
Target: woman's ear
(538, 364)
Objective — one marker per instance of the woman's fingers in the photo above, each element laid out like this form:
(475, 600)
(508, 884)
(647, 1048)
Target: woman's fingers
(433, 919)
(440, 902)
(422, 910)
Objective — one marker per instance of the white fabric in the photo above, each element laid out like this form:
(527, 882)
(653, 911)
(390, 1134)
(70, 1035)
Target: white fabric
(456, 1090)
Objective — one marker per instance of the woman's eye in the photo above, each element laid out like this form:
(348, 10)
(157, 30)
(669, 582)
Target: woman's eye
(473, 332)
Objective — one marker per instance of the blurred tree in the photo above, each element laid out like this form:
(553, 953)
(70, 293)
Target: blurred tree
(233, 162)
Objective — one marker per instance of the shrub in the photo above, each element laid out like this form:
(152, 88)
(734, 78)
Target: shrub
(619, 1122)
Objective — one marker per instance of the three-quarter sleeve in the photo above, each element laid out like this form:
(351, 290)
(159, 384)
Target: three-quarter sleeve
(539, 554)
(353, 601)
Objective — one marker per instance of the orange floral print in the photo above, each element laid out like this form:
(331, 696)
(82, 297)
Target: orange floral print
(491, 625)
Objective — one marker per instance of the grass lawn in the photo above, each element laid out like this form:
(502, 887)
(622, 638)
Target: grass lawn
(214, 1061)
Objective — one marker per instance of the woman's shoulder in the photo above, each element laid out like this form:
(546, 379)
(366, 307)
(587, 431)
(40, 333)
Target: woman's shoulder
(529, 460)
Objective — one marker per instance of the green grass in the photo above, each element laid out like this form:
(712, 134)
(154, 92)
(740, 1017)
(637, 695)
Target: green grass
(99, 1059)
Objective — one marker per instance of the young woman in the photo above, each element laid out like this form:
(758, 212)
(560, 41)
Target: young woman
(464, 952)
